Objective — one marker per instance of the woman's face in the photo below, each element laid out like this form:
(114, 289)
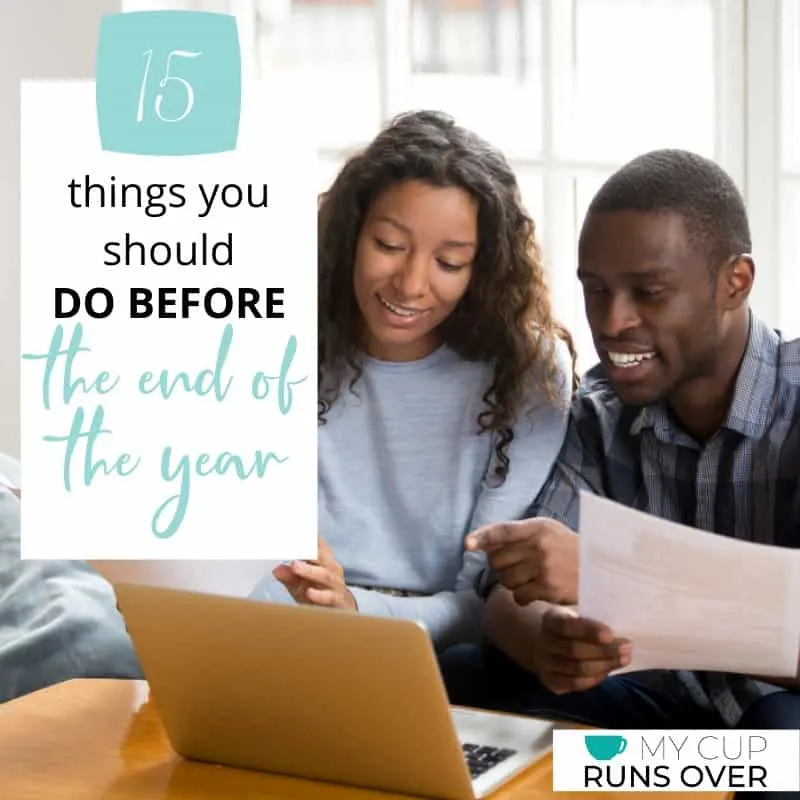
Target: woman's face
(414, 260)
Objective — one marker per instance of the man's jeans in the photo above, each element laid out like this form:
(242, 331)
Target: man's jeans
(482, 677)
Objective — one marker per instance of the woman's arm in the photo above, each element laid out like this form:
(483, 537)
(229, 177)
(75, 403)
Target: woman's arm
(449, 617)
(458, 616)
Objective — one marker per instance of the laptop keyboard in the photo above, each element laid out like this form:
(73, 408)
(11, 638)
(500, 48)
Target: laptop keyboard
(481, 758)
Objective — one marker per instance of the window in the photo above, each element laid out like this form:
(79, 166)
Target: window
(483, 37)
(330, 47)
(570, 90)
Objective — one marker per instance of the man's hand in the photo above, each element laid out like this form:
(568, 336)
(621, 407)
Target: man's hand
(575, 654)
(535, 559)
(319, 583)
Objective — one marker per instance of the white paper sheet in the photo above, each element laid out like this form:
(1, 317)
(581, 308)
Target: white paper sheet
(232, 578)
(688, 599)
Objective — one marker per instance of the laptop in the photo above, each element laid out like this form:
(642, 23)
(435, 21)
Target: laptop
(317, 693)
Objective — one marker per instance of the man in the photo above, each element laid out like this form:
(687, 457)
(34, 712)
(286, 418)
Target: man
(58, 619)
(693, 415)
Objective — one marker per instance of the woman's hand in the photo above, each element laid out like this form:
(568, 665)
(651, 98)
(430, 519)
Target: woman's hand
(318, 583)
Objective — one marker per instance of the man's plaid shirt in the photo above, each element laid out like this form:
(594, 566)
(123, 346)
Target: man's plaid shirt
(743, 482)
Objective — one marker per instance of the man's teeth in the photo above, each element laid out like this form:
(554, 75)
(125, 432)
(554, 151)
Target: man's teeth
(399, 310)
(629, 359)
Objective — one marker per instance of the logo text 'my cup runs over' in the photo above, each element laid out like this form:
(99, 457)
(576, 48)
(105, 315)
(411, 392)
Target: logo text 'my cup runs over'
(676, 760)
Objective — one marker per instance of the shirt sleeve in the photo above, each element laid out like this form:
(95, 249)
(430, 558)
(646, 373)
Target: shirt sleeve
(578, 467)
(457, 616)
(448, 617)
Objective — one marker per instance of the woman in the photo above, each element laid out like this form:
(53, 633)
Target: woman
(443, 379)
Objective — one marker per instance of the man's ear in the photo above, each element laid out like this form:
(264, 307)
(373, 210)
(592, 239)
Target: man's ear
(736, 280)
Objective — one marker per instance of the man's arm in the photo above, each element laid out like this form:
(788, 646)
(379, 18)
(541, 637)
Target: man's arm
(567, 653)
(514, 629)
(509, 626)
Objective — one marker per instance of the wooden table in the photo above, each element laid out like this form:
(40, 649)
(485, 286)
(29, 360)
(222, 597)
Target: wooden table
(93, 739)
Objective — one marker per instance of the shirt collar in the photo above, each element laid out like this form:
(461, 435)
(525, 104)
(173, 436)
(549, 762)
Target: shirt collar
(748, 413)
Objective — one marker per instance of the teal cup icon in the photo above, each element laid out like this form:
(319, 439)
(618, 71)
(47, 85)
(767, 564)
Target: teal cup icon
(605, 747)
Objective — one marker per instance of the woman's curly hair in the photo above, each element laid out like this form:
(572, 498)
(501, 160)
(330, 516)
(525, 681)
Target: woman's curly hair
(504, 317)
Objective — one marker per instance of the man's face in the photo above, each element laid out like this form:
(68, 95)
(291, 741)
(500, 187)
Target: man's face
(651, 303)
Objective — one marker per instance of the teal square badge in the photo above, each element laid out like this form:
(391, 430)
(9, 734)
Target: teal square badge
(169, 83)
